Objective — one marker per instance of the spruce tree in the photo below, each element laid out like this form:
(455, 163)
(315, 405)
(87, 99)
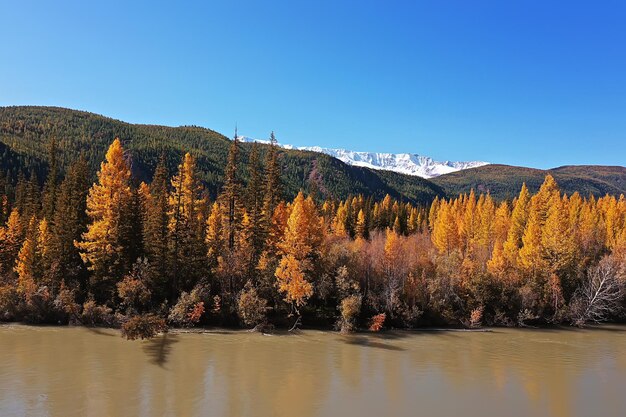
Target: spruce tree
(273, 184)
(254, 204)
(231, 195)
(70, 219)
(51, 184)
(186, 227)
(155, 227)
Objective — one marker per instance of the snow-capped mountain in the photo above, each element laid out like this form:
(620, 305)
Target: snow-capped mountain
(404, 163)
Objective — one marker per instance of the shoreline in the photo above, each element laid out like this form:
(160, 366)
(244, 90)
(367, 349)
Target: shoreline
(286, 332)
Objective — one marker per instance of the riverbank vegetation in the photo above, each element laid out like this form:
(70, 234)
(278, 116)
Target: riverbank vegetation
(147, 256)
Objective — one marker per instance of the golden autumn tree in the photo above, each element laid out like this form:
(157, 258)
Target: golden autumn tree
(519, 217)
(245, 259)
(530, 259)
(415, 220)
(393, 269)
(445, 232)
(292, 281)
(530, 255)
(362, 230)
(340, 223)
(590, 233)
(469, 222)
(557, 243)
(486, 216)
(11, 237)
(432, 212)
(105, 245)
(26, 265)
(45, 253)
(300, 247)
(497, 264)
(502, 222)
(278, 224)
(215, 236)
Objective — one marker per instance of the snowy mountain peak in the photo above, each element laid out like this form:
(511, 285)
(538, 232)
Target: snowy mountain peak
(404, 163)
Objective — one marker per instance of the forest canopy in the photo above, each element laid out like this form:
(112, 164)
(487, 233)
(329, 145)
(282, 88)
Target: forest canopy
(148, 255)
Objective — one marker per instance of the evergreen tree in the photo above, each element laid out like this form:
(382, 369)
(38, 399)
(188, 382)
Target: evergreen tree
(231, 195)
(155, 229)
(254, 205)
(70, 219)
(186, 227)
(51, 184)
(273, 184)
(32, 202)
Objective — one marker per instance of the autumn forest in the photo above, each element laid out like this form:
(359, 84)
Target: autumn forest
(146, 257)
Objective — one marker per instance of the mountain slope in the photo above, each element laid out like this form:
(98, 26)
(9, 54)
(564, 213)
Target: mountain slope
(25, 133)
(505, 181)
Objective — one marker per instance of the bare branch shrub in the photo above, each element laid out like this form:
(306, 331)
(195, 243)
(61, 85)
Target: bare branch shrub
(599, 297)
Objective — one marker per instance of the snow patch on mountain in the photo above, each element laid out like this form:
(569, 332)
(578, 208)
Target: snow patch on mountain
(404, 163)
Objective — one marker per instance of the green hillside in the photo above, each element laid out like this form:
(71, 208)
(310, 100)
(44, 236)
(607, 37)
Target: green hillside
(505, 181)
(26, 131)
(25, 134)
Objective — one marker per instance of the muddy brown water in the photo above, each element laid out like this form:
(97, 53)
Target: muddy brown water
(74, 371)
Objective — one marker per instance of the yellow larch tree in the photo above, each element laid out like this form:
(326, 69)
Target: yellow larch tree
(104, 246)
(519, 218)
(11, 237)
(530, 255)
(340, 223)
(469, 221)
(362, 230)
(26, 265)
(557, 238)
(215, 236)
(300, 248)
(445, 234)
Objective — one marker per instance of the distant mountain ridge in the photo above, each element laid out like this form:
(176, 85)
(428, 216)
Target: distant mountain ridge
(403, 163)
(505, 181)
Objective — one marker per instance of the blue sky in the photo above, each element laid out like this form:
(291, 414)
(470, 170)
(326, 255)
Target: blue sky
(533, 83)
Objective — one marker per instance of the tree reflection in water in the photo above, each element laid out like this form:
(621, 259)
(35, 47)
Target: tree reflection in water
(76, 372)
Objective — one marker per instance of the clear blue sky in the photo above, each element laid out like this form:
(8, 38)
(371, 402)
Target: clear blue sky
(535, 83)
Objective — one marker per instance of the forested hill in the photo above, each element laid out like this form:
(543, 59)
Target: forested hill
(504, 181)
(26, 131)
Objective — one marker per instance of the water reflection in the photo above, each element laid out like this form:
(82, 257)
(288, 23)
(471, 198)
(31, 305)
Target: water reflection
(159, 348)
(370, 342)
(81, 372)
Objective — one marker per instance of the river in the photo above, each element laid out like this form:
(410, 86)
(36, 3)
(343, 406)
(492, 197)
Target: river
(75, 371)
